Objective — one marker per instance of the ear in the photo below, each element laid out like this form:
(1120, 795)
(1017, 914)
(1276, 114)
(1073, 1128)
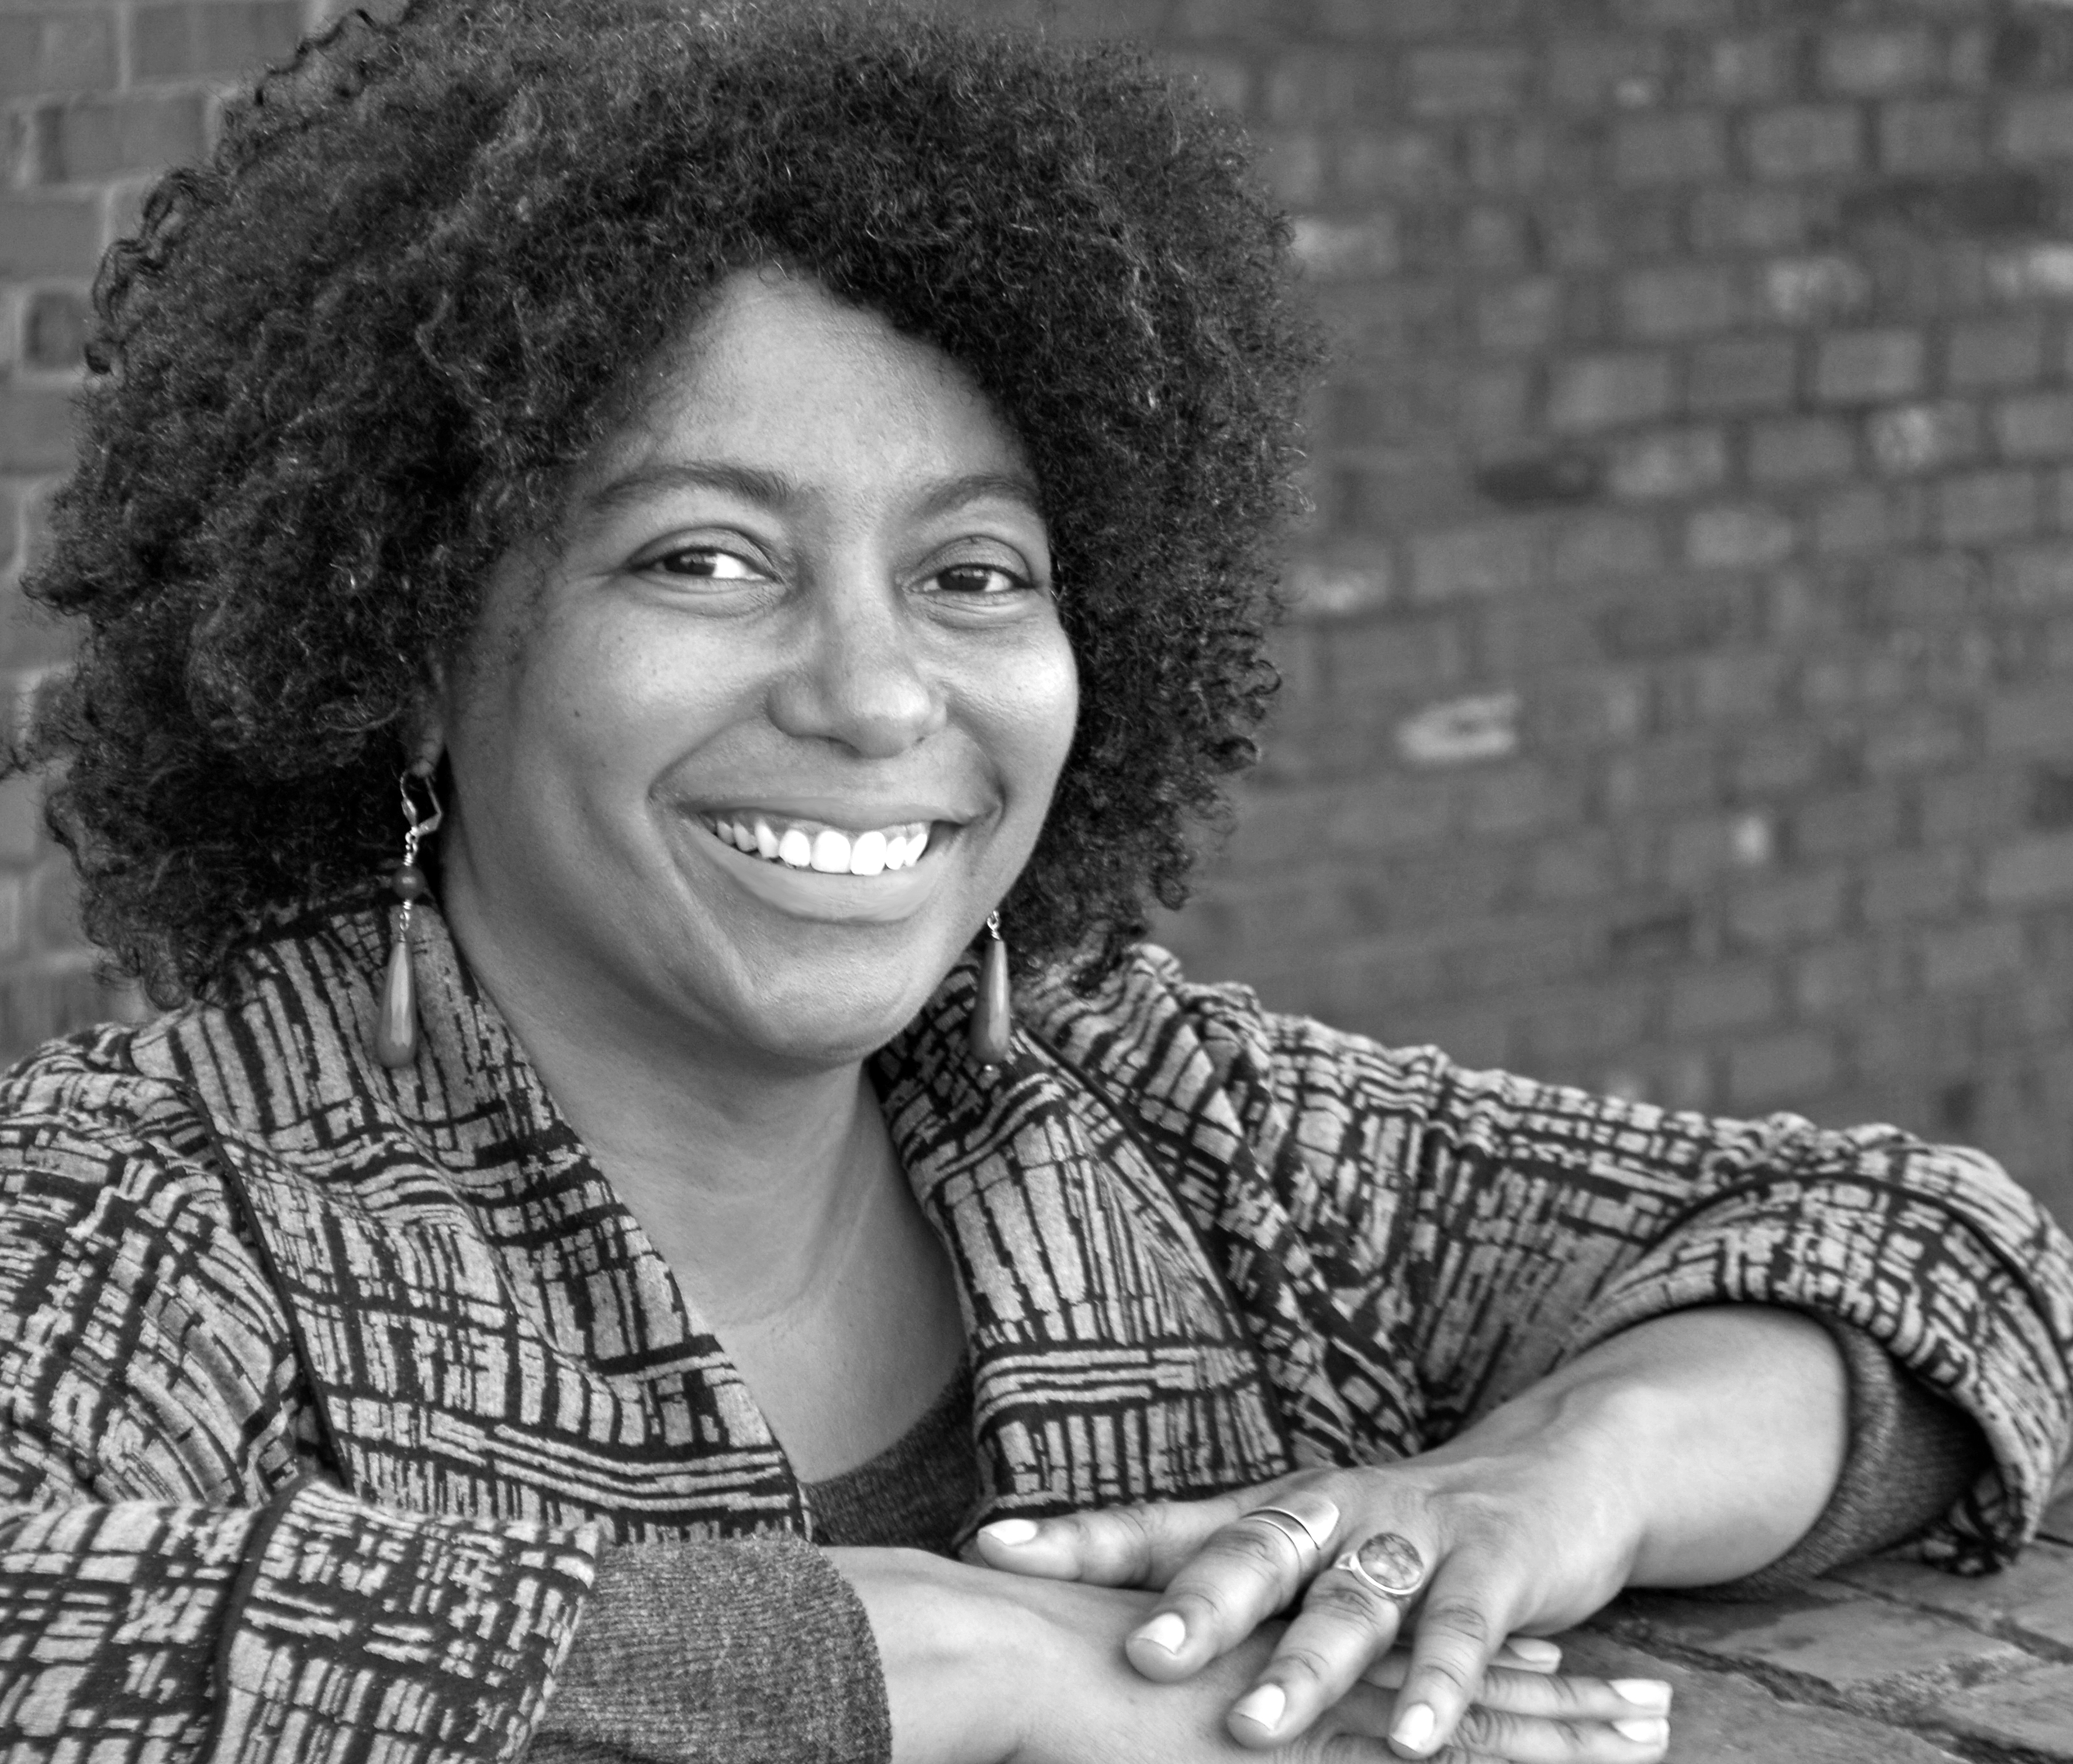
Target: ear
(425, 722)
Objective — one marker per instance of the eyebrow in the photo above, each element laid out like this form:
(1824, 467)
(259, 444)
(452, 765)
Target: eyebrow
(774, 488)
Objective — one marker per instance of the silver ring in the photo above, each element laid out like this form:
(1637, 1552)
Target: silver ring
(1307, 1541)
(1386, 1564)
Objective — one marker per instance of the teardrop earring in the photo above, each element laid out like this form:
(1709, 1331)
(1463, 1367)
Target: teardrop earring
(396, 1026)
(991, 1023)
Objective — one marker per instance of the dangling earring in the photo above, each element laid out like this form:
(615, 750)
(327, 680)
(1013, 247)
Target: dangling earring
(986, 1033)
(396, 1027)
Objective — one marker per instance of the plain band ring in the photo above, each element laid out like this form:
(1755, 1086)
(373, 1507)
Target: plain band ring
(1387, 1563)
(1307, 1541)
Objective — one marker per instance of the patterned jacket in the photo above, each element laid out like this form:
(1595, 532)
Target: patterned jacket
(320, 1384)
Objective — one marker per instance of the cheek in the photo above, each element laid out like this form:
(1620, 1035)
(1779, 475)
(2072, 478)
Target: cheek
(1045, 709)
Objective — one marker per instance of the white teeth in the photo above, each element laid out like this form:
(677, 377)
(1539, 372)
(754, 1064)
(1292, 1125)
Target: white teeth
(828, 850)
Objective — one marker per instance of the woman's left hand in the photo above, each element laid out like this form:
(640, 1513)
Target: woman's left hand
(1689, 1450)
(1484, 1552)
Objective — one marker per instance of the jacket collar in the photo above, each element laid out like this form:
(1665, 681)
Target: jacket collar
(487, 1330)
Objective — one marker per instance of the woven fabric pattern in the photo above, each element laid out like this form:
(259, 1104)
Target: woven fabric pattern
(321, 1381)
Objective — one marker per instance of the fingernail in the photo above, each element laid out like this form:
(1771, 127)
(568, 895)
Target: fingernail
(1011, 1532)
(1413, 1727)
(1650, 1693)
(1167, 1631)
(1651, 1732)
(1532, 1647)
(1263, 1705)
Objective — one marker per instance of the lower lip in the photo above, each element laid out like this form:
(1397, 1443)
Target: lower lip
(816, 894)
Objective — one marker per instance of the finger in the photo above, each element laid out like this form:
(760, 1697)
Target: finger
(1345, 1623)
(1530, 1739)
(1246, 1572)
(1466, 1614)
(1117, 1546)
(1553, 1697)
(1529, 1654)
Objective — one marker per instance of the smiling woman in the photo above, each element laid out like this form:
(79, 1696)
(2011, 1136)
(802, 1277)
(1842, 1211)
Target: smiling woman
(784, 494)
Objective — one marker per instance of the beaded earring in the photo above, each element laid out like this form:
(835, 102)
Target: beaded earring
(395, 1026)
(987, 1032)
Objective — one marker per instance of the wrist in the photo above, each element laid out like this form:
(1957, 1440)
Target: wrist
(955, 1651)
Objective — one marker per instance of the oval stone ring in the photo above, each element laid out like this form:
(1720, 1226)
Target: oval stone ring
(1386, 1564)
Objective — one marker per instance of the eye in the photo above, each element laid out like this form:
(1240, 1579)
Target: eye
(980, 581)
(704, 562)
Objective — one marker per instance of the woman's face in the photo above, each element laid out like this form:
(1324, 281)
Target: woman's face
(802, 605)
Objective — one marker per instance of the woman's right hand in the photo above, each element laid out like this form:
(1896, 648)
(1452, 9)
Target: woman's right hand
(983, 1668)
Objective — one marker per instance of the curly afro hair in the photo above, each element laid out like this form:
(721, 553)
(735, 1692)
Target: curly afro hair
(345, 366)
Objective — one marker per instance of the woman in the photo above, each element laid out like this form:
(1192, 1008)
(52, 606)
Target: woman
(781, 497)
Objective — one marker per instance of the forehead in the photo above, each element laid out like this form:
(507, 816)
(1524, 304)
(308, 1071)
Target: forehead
(778, 375)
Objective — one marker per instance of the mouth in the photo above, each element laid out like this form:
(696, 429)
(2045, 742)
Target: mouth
(816, 846)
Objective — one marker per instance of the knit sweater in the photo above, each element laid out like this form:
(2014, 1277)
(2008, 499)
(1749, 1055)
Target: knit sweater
(325, 1386)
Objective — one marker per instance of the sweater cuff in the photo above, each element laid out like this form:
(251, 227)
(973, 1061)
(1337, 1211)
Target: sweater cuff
(732, 1653)
(1911, 1455)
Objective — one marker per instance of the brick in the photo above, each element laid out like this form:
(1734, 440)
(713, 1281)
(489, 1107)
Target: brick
(1669, 463)
(1743, 373)
(1523, 316)
(1369, 163)
(1870, 517)
(1492, 558)
(2034, 575)
(1456, 82)
(49, 236)
(1684, 146)
(71, 50)
(1749, 69)
(1804, 141)
(96, 138)
(1293, 162)
(1334, 249)
(2001, 352)
(1923, 437)
(35, 430)
(54, 329)
(2029, 872)
(2031, 722)
(1773, 1069)
(1706, 1003)
(1867, 367)
(1596, 73)
(1872, 62)
(192, 37)
(1815, 291)
(2035, 426)
(1899, 886)
(1750, 217)
(1688, 300)
(2033, 272)
(1605, 547)
(1590, 393)
(1466, 730)
(1978, 508)
(1801, 908)
(1921, 137)
(1863, 821)
(1918, 743)
(1968, 956)
(1801, 450)
(1742, 538)
(2037, 126)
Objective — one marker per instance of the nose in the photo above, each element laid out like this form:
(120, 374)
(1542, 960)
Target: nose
(860, 679)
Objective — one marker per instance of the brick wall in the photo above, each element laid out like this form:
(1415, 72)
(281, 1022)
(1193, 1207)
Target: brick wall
(1682, 698)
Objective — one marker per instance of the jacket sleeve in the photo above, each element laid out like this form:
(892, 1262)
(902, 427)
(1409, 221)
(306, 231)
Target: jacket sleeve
(177, 1578)
(1457, 1234)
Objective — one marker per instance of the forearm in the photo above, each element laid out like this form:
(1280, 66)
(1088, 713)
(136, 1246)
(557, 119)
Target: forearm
(1720, 1431)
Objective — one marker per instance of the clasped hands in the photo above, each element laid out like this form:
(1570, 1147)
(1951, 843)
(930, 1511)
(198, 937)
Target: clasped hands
(1410, 1645)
